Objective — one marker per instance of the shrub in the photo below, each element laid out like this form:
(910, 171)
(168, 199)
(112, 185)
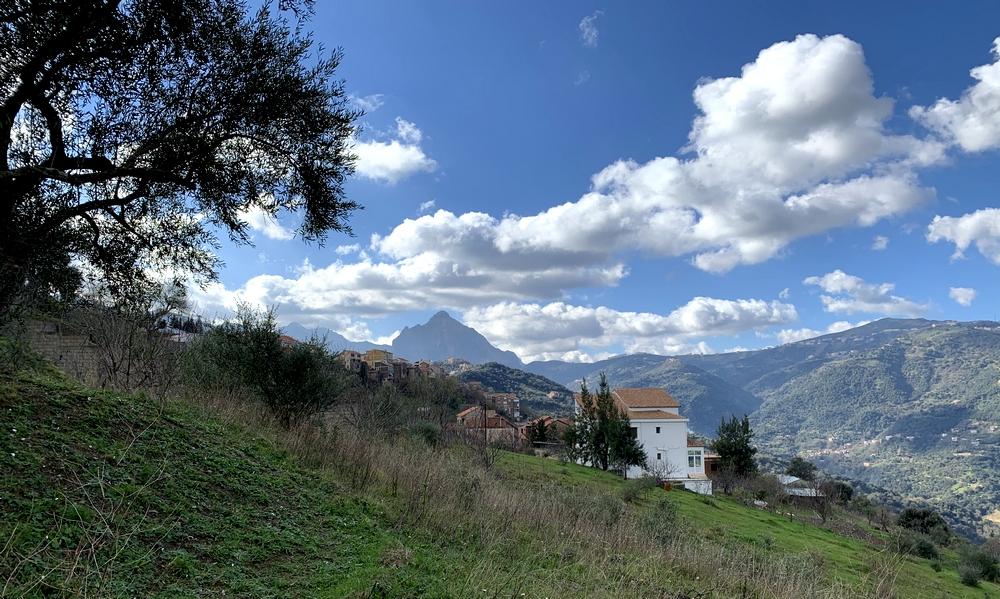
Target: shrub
(975, 564)
(908, 542)
(428, 432)
(925, 521)
(659, 521)
(245, 357)
(637, 488)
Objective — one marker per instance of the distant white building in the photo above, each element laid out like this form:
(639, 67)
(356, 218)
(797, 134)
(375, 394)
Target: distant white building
(663, 434)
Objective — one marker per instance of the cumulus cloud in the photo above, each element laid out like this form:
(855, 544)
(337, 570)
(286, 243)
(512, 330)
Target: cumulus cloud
(981, 228)
(559, 330)
(793, 335)
(973, 121)
(259, 219)
(395, 159)
(793, 147)
(850, 294)
(425, 206)
(375, 288)
(589, 33)
(963, 296)
(880, 243)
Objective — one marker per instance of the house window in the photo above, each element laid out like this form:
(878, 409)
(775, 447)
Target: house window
(694, 458)
(657, 430)
(659, 457)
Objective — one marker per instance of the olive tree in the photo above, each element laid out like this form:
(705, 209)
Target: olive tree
(132, 132)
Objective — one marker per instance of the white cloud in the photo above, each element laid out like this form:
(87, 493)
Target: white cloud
(425, 206)
(371, 288)
(554, 330)
(343, 250)
(589, 33)
(259, 219)
(973, 121)
(387, 339)
(793, 147)
(369, 103)
(880, 243)
(408, 132)
(963, 296)
(981, 228)
(793, 335)
(850, 294)
(396, 159)
(582, 77)
(784, 294)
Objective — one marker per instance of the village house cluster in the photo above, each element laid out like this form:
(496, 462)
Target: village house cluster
(380, 366)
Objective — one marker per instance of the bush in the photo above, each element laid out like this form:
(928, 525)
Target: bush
(659, 522)
(925, 521)
(245, 357)
(638, 487)
(428, 432)
(975, 564)
(908, 542)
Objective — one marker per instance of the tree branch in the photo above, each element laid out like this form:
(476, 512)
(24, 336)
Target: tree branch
(54, 123)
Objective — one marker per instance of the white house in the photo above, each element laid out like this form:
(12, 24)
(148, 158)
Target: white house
(663, 434)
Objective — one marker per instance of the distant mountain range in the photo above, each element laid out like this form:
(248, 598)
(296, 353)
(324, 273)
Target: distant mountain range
(908, 405)
(440, 338)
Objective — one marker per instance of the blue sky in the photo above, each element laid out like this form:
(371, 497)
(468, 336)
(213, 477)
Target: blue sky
(726, 174)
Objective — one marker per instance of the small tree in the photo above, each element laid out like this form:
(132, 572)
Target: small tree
(801, 468)
(925, 521)
(538, 432)
(602, 433)
(245, 357)
(736, 453)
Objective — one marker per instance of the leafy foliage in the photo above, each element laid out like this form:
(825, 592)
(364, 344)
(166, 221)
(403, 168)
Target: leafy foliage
(245, 355)
(130, 130)
(602, 433)
(734, 444)
(801, 468)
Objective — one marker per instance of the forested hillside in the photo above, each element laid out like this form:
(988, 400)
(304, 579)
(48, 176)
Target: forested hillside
(532, 389)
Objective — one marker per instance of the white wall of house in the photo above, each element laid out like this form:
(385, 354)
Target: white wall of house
(665, 444)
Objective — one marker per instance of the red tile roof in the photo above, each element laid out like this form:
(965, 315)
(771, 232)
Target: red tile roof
(645, 397)
(692, 442)
(653, 415)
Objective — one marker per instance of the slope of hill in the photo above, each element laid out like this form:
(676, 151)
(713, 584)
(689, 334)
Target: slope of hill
(771, 367)
(533, 390)
(112, 495)
(918, 415)
(444, 337)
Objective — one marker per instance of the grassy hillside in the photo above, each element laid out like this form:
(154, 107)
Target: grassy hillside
(719, 518)
(111, 495)
(532, 389)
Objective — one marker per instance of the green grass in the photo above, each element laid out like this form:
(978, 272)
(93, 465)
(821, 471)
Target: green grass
(174, 504)
(725, 519)
(114, 495)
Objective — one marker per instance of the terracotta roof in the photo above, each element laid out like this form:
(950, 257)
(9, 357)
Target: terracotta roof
(692, 442)
(467, 411)
(653, 415)
(645, 397)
